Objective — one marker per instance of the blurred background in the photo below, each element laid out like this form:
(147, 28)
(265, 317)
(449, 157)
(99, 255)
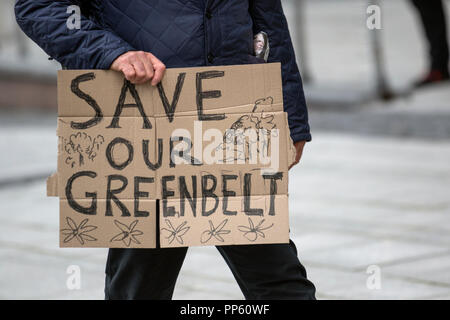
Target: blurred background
(370, 201)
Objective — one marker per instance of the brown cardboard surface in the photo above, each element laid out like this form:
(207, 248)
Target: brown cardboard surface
(232, 227)
(235, 159)
(52, 185)
(100, 231)
(115, 155)
(237, 90)
(129, 153)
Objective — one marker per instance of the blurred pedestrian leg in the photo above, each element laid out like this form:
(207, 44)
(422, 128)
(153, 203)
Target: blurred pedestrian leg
(300, 26)
(434, 23)
(383, 89)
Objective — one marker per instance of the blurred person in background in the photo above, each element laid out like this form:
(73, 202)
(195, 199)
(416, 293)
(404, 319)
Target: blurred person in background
(141, 38)
(432, 14)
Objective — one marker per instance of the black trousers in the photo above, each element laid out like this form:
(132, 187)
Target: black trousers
(433, 18)
(270, 271)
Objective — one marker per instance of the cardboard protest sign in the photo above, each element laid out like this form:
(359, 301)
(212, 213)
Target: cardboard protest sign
(201, 159)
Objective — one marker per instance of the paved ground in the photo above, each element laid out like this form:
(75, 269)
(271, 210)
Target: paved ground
(371, 192)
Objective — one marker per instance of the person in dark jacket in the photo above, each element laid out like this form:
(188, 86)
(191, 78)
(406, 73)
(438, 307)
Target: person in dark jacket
(140, 38)
(434, 23)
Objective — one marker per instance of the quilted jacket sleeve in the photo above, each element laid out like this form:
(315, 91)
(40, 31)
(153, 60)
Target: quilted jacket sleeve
(268, 16)
(89, 47)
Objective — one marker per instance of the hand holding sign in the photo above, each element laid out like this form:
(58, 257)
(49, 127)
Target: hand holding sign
(299, 145)
(139, 67)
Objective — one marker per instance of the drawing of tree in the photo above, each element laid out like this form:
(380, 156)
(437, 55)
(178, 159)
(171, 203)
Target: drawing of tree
(81, 146)
(259, 121)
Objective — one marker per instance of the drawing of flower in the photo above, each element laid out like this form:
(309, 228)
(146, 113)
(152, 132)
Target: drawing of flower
(79, 232)
(128, 233)
(252, 232)
(175, 233)
(214, 232)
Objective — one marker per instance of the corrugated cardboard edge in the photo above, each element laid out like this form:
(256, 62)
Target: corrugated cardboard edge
(52, 185)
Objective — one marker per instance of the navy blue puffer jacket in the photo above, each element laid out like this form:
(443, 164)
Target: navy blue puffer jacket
(181, 33)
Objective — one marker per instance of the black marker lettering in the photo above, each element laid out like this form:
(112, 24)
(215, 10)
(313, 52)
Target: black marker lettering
(201, 95)
(183, 154)
(111, 195)
(170, 108)
(209, 193)
(184, 194)
(128, 86)
(227, 193)
(139, 194)
(110, 149)
(92, 210)
(75, 87)
(273, 189)
(145, 152)
(247, 197)
(166, 193)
